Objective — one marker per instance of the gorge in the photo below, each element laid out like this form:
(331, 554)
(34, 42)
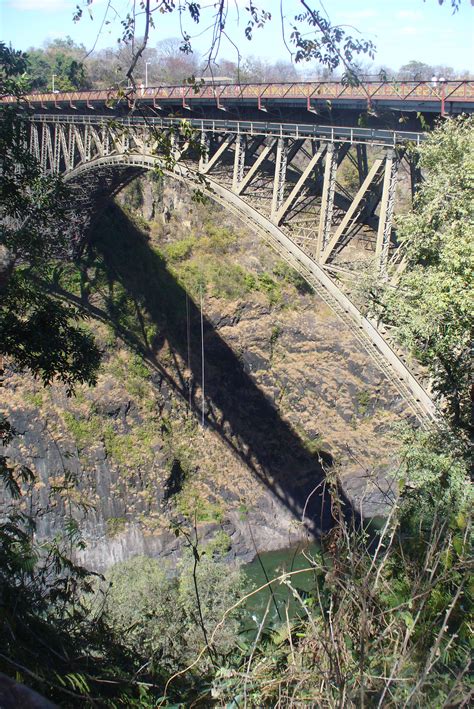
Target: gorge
(289, 395)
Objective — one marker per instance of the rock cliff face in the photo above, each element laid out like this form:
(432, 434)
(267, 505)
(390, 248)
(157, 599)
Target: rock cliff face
(287, 393)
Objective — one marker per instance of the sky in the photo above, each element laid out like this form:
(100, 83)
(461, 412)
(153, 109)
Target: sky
(401, 29)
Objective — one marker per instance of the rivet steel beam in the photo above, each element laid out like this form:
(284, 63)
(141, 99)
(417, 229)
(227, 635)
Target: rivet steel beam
(205, 146)
(354, 210)
(279, 176)
(297, 188)
(362, 164)
(386, 210)
(327, 199)
(239, 161)
(415, 174)
(250, 174)
(228, 140)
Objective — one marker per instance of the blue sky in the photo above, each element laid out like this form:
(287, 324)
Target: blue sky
(401, 29)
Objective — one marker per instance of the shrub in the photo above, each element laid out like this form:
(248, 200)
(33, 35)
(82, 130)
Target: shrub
(180, 250)
(156, 611)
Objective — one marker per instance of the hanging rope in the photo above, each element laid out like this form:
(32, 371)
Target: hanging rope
(188, 338)
(202, 365)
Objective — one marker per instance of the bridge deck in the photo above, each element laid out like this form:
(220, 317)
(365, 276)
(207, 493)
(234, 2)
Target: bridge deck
(429, 97)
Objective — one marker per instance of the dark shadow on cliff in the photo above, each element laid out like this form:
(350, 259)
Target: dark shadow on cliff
(234, 405)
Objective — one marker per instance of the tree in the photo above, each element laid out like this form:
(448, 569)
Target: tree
(61, 58)
(432, 306)
(309, 36)
(254, 69)
(43, 335)
(173, 66)
(36, 330)
(157, 613)
(312, 37)
(415, 71)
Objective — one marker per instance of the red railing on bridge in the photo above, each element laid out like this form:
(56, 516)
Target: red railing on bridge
(402, 93)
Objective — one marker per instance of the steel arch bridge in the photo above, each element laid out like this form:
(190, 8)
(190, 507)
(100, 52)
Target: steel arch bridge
(281, 179)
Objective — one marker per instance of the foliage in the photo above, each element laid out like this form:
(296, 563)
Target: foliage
(36, 330)
(431, 307)
(61, 58)
(46, 636)
(155, 611)
(45, 336)
(51, 637)
(313, 36)
(284, 271)
(387, 621)
(204, 264)
(180, 250)
(433, 477)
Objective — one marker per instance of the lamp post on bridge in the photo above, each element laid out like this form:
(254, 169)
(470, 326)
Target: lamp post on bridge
(52, 82)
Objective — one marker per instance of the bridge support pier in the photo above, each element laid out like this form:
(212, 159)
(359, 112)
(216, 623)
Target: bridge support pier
(267, 149)
(365, 200)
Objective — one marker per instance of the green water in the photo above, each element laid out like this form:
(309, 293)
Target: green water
(275, 563)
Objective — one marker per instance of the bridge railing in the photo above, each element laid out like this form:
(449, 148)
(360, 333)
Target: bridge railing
(328, 134)
(403, 92)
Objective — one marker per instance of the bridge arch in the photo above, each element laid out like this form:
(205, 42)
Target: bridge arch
(130, 164)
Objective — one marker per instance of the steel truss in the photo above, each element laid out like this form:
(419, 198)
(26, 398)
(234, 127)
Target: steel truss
(289, 173)
(278, 179)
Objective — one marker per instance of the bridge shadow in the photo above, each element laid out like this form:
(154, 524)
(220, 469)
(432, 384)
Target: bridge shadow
(235, 407)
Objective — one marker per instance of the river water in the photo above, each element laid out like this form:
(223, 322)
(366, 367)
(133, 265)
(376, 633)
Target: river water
(268, 566)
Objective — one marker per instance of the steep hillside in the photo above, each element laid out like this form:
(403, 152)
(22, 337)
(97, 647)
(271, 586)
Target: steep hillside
(288, 393)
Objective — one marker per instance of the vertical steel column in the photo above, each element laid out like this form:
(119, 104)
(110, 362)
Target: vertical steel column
(205, 145)
(173, 147)
(280, 176)
(415, 175)
(79, 142)
(384, 231)
(312, 166)
(106, 140)
(34, 142)
(44, 147)
(239, 161)
(126, 140)
(362, 164)
(88, 143)
(315, 147)
(71, 147)
(58, 129)
(64, 146)
(327, 199)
